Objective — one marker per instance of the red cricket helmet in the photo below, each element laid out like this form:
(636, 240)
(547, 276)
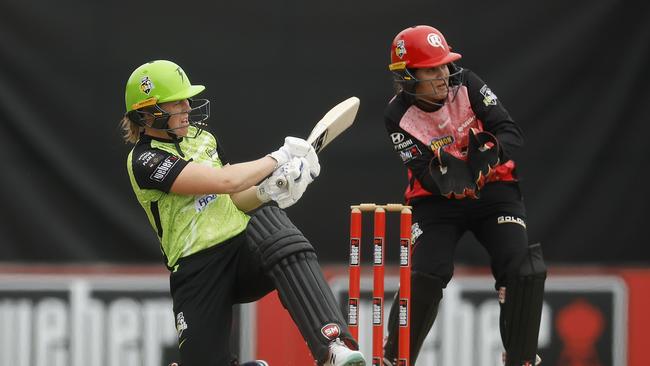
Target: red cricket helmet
(420, 46)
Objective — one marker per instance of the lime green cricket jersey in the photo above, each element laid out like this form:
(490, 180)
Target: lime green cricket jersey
(185, 224)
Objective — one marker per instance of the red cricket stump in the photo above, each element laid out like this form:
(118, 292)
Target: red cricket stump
(379, 239)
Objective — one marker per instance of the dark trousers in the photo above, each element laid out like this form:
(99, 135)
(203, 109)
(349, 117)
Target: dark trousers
(497, 220)
(204, 288)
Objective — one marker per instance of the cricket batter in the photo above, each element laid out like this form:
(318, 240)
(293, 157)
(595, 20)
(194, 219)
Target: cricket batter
(218, 255)
(458, 144)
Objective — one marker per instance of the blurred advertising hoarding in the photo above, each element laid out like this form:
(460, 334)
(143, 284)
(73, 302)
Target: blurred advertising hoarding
(99, 316)
(595, 317)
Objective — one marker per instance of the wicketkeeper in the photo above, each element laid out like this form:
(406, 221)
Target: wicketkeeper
(458, 144)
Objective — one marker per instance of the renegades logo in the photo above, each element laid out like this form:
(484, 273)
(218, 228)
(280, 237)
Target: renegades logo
(400, 49)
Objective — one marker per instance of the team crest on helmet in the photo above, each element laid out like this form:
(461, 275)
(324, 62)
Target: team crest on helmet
(146, 85)
(435, 40)
(400, 49)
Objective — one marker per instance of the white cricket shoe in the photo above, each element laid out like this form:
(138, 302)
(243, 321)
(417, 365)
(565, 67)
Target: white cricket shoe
(538, 360)
(341, 355)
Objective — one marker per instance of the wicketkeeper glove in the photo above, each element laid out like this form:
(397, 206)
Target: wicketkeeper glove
(482, 155)
(452, 175)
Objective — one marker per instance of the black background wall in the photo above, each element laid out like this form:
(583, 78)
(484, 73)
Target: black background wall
(573, 74)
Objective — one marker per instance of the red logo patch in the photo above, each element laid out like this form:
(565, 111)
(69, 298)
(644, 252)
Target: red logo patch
(331, 331)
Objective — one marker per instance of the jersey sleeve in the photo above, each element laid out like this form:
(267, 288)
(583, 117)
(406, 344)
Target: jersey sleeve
(156, 169)
(221, 153)
(415, 155)
(496, 119)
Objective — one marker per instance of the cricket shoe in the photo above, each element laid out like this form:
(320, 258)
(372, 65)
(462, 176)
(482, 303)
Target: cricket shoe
(341, 355)
(538, 360)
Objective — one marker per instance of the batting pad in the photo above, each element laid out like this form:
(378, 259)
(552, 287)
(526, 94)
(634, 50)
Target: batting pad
(291, 261)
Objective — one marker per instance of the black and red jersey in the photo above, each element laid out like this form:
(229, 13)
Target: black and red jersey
(416, 131)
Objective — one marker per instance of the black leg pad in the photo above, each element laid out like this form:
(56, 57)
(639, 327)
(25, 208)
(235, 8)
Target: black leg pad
(275, 236)
(291, 262)
(521, 308)
(426, 293)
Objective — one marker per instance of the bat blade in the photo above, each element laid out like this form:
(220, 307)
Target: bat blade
(333, 123)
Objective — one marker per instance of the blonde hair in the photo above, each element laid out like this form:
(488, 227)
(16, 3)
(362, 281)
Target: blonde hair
(130, 130)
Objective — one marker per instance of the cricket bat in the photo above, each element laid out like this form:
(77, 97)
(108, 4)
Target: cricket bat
(333, 123)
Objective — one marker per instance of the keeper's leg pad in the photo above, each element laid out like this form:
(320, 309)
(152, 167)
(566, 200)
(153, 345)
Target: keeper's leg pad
(521, 308)
(426, 293)
(291, 261)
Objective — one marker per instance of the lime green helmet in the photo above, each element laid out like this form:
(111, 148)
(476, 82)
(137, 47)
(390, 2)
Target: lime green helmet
(158, 82)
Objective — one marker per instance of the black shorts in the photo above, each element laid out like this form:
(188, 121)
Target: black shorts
(204, 288)
(497, 220)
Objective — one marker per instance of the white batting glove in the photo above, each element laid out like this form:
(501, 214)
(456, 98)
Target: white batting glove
(269, 189)
(296, 187)
(314, 165)
(293, 147)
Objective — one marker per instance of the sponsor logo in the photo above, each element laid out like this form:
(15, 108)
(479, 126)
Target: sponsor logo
(511, 220)
(211, 152)
(149, 158)
(488, 97)
(415, 232)
(585, 308)
(163, 168)
(501, 295)
(440, 142)
(397, 137)
(403, 145)
(330, 331)
(354, 251)
(442, 125)
(404, 254)
(181, 325)
(202, 202)
(353, 312)
(400, 49)
(466, 123)
(377, 310)
(320, 141)
(378, 252)
(410, 153)
(146, 85)
(435, 40)
(403, 313)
